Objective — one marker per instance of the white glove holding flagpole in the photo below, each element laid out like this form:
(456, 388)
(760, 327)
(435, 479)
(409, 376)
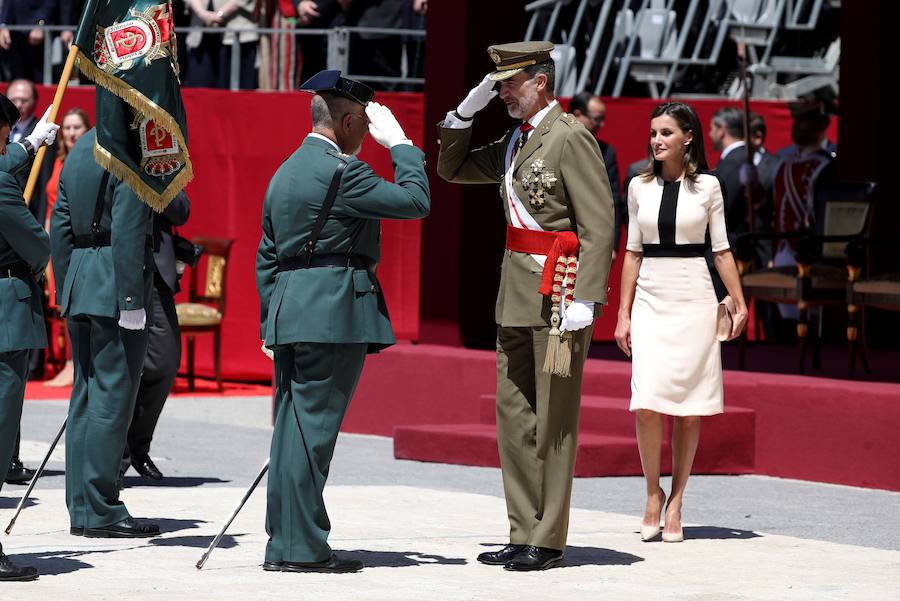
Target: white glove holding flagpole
(133, 320)
(578, 315)
(384, 127)
(44, 132)
(267, 351)
(478, 98)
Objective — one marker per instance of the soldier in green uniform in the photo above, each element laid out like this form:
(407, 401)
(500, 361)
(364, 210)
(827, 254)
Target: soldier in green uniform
(322, 308)
(559, 212)
(102, 258)
(24, 252)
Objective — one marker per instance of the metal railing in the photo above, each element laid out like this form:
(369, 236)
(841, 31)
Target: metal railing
(338, 44)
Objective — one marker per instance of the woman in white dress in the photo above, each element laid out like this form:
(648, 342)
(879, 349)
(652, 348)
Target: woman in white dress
(668, 312)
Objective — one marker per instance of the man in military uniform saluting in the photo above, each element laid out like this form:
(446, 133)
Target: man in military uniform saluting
(559, 213)
(322, 308)
(102, 258)
(24, 252)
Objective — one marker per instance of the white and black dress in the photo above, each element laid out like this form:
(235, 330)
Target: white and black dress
(676, 360)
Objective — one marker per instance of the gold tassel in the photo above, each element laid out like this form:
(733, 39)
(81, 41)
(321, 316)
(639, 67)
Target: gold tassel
(562, 365)
(553, 340)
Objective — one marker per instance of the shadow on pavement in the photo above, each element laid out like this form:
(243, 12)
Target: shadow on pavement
(716, 533)
(13, 502)
(54, 563)
(399, 559)
(172, 481)
(197, 542)
(597, 556)
(167, 525)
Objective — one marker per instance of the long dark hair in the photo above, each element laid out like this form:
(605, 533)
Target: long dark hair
(695, 156)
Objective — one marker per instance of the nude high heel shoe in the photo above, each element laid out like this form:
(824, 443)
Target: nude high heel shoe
(674, 537)
(649, 533)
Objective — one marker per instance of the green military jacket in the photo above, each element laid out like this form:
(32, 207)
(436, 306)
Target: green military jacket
(99, 281)
(579, 201)
(332, 304)
(22, 239)
(15, 159)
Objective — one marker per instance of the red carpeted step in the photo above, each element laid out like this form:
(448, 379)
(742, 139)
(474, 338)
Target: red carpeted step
(476, 444)
(727, 441)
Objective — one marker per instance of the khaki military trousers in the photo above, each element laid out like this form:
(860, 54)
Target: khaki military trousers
(537, 434)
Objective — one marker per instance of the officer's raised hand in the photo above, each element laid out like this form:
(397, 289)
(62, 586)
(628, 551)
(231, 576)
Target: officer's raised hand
(478, 98)
(44, 132)
(384, 127)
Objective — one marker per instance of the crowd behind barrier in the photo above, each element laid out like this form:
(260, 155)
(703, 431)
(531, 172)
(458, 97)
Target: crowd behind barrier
(243, 44)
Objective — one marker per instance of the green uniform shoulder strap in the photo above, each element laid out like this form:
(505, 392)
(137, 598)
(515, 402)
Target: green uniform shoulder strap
(310, 247)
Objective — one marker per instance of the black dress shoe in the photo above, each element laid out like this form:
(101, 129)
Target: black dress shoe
(11, 572)
(332, 565)
(145, 467)
(127, 528)
(18, 473)
(534, 558)
(503, 556)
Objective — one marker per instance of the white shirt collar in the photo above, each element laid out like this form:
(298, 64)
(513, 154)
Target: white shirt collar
(731, 147)
(321, 137)
(539, 116)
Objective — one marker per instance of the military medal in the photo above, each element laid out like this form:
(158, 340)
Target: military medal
(537, 181)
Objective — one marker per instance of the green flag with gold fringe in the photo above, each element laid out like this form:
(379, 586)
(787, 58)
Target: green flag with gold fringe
(127, 47)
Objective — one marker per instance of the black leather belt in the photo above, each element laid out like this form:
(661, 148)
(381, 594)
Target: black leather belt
(674, 250)
(19, 270)
(324, 260)
(100, 239)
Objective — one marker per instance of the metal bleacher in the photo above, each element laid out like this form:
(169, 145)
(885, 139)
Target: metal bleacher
(609, 45)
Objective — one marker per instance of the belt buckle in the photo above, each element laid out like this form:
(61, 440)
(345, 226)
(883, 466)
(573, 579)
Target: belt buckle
(9, 273)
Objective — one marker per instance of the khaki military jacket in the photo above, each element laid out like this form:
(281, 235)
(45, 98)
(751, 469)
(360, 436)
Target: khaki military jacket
(579, 201)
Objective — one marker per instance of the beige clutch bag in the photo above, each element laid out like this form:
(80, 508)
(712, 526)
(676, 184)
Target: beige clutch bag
(724, 319)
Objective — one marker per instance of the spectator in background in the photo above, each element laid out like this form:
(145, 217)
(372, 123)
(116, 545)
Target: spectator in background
(726, 132)
(24, 50)
(74, 125)
(315, 14)
(591, 112)
(810, 126)
(210, 54)
(378, 54)
(766, 162)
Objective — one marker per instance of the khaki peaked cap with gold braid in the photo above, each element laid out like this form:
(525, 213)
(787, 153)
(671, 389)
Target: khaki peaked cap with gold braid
(510, 59)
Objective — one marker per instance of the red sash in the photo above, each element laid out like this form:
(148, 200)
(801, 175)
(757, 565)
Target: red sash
(551, 244)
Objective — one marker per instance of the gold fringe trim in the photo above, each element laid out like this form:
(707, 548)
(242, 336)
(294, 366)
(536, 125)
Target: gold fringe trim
(148, 109)
(158, 202)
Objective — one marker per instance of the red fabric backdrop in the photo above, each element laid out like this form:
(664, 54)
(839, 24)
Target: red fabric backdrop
(237, 141)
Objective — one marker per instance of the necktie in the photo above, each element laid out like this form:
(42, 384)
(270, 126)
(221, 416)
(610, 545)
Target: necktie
(525, 129)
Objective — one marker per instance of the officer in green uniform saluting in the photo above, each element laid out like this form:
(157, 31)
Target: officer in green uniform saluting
(102, 258)
(24, 252)
(322, 309)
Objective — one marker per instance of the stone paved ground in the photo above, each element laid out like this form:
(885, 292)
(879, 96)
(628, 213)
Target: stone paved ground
(418, 528)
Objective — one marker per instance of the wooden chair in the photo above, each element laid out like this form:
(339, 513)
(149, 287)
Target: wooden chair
(205, 311)
(842, 213)
(881, 291)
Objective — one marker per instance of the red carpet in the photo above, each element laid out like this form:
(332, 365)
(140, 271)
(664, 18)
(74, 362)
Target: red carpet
(36, 391)
(802, 427)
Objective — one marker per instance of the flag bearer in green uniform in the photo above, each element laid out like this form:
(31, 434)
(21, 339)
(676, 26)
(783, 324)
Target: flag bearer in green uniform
(102, 258)
(322, 308)
(24, 252)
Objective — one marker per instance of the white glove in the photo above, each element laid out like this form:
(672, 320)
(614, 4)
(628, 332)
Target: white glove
(43, 133)
(384, 126)
(267, 351)
(478, 98)
(578, 315)
(133, 320)
(748, 174)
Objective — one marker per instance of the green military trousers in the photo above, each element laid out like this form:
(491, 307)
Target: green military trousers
(108, 361)
(537, 434)
(313, 386)
(13, 375)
